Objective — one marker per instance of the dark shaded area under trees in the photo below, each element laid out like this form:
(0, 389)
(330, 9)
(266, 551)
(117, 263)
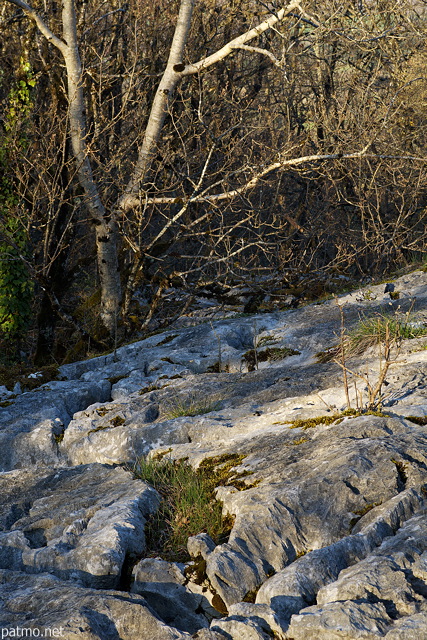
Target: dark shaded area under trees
(225, 198)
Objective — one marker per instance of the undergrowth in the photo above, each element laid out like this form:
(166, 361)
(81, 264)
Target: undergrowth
(188, 505)
(26, 376)
(384, 331)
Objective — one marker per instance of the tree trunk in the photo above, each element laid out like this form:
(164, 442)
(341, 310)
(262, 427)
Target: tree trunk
(162, 100)
(109, 275)
(105, 225)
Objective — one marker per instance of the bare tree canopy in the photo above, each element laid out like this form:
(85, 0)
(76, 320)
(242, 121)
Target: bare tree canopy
(208, 140)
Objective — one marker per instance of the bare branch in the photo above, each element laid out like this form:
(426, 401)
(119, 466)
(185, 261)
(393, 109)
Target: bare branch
(264, 52)
(48, 34)
(293, 162)
(240, 40)
(186, 205)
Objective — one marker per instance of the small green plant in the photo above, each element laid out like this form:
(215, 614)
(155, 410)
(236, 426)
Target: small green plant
(266, 341)
(374, 330)
(300, 441)
(368, 507)
(309, 423)
(192, 405)
(335, 418)
(359, 513)
(368, 295)
(187, 507)
(384, 331)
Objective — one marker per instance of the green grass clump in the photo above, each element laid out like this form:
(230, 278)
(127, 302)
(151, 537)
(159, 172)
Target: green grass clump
(187, 508)
(192, 405)
(377, 329)
(372, 331)
(309, 423)
(368, 507)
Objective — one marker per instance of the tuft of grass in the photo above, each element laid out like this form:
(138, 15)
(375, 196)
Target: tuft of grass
(359, 513)
(102, 411)
(372, 331)
(368, 507)
(220, 469)
(192, 405)
(310, 423)
(187, 508)
(300, 441)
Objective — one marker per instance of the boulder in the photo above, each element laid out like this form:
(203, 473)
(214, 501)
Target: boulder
(81, 524)
(344, 620)
(33, 423)
(46, 606)
(163, 586)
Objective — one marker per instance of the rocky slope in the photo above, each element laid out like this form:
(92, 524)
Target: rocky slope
(329, 536)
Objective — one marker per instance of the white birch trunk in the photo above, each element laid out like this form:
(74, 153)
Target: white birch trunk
(106, 232)
(106, 229)
(160, 106)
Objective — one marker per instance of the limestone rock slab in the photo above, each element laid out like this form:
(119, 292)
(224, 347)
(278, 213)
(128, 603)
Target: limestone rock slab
(345, 620)
(32, 424)
(163, 586)
(80, 524)
(44, 602)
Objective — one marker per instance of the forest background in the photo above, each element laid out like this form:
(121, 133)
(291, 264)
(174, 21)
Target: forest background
(152, 144)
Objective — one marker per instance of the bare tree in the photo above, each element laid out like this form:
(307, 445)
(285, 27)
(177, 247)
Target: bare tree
(259, 154)
(105, 223)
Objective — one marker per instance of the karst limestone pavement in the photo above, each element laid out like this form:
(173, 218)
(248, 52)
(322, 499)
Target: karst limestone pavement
(330, 530)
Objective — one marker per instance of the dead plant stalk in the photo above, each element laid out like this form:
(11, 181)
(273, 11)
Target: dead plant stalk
(385, 346)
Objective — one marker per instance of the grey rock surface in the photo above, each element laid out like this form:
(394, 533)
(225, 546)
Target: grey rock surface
(344, 620)
(234, 628)
(80, 524)
(163, 586)
(329, 530)
(45, 602)
(32, 423)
